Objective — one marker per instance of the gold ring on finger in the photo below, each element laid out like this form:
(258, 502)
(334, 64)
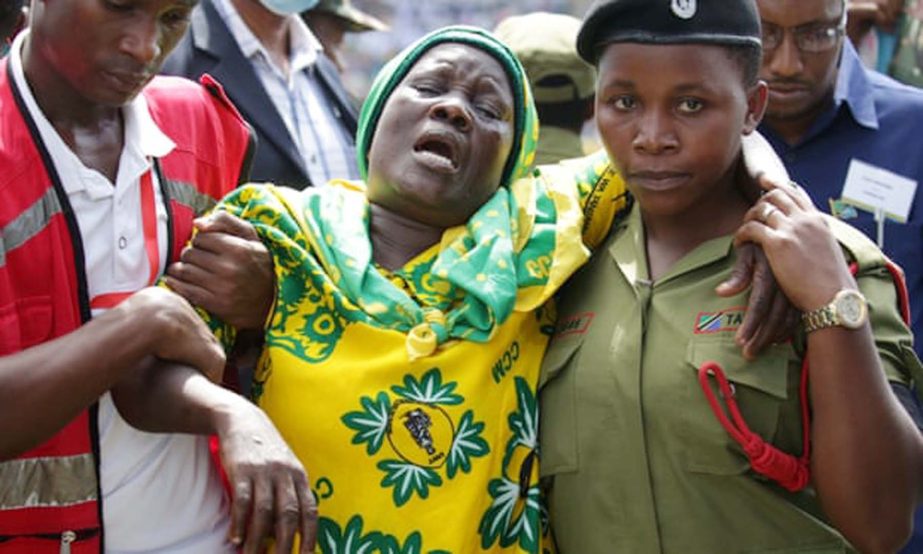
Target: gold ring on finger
(767, 213)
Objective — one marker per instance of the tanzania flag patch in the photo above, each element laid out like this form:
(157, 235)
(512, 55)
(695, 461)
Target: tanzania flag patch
(730, 319)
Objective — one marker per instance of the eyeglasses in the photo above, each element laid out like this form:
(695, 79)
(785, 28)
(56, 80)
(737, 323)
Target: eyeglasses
(812, 38)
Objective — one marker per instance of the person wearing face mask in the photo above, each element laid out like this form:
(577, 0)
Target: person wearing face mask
(276, 73)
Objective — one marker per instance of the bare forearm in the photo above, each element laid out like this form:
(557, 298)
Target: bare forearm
(262, 470)
(867, 453)
(44, 387)
(162, 397)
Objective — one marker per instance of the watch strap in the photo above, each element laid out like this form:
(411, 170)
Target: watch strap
(821, 318)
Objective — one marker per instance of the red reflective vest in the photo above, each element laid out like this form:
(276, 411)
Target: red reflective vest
(49, 497)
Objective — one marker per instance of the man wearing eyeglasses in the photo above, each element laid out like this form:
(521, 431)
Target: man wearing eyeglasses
(848, 134)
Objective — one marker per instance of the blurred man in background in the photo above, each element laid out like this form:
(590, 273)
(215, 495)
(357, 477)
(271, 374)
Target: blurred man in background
(847, 134)
(276, 73)
(563, 84)
(844, 130)
(330, 20)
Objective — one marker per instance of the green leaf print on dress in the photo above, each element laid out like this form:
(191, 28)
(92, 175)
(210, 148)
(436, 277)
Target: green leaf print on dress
(515, 515)
(424, 441)
(414, 545)
(467, 444)
(430, 390)
(407, 478)
(331, 539)
(371, 424)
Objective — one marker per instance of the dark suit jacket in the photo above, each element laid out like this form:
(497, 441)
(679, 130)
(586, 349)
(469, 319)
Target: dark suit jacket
(209, 47)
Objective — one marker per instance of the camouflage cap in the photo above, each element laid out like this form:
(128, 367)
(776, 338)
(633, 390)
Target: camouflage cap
(545, 44)
(356, 20)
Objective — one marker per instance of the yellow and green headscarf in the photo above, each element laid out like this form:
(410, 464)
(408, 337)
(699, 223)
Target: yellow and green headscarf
(525, 137)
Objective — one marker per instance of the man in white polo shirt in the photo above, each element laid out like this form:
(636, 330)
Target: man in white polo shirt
(102, 170)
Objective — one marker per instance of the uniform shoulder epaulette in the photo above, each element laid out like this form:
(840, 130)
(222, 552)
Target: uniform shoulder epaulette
(858, 247)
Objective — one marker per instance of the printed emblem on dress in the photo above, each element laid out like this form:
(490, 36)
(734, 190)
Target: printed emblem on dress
(424, 443)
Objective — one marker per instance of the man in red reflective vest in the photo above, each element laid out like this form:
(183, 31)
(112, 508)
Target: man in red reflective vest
(102, 170)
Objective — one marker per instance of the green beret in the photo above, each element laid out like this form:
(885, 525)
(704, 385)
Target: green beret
(722, 22)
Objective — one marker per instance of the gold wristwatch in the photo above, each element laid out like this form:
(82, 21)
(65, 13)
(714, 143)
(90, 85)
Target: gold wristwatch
(848, 309)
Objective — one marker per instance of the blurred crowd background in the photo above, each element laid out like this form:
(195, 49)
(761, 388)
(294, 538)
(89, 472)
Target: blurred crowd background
(364, 53)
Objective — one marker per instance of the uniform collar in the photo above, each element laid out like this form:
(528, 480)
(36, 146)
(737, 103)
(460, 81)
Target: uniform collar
(630, 254)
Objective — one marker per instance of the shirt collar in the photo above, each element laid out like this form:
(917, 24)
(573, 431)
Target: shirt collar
(142, 136)
(141, 130)
(304, 45)
(854, 88)
(630, 253)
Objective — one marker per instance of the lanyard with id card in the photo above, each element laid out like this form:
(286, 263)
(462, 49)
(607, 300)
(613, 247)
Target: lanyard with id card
(884, 193)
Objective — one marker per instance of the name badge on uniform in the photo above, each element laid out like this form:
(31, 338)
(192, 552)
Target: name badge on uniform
(879, 191)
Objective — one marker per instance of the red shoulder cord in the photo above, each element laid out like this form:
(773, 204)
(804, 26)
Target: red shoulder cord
(790, 472)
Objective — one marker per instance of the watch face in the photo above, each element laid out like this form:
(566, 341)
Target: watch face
(850, 308)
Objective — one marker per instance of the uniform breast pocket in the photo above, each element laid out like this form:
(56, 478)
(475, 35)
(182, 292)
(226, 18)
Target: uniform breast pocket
(760, 388)
(558, 409)
(24, 322)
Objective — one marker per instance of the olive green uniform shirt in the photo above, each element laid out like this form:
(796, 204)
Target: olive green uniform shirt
(556, 144)
(633, 457)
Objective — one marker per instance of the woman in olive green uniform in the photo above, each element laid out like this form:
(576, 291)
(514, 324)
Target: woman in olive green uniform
(635, 456)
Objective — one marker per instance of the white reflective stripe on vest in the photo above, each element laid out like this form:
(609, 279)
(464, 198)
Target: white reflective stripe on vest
(28, 223)
(188, 195)
(47, 482)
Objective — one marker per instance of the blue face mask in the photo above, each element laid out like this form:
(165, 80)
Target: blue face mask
(288, 7)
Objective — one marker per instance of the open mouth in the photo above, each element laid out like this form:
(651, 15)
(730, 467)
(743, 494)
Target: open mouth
(437, 152)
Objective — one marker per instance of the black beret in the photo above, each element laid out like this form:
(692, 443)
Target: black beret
(724, 22)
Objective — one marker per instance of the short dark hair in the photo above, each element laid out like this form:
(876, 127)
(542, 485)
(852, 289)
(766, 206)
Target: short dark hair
(749, 58)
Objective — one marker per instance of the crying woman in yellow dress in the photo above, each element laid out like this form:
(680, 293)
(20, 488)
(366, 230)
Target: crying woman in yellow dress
(413, 308)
